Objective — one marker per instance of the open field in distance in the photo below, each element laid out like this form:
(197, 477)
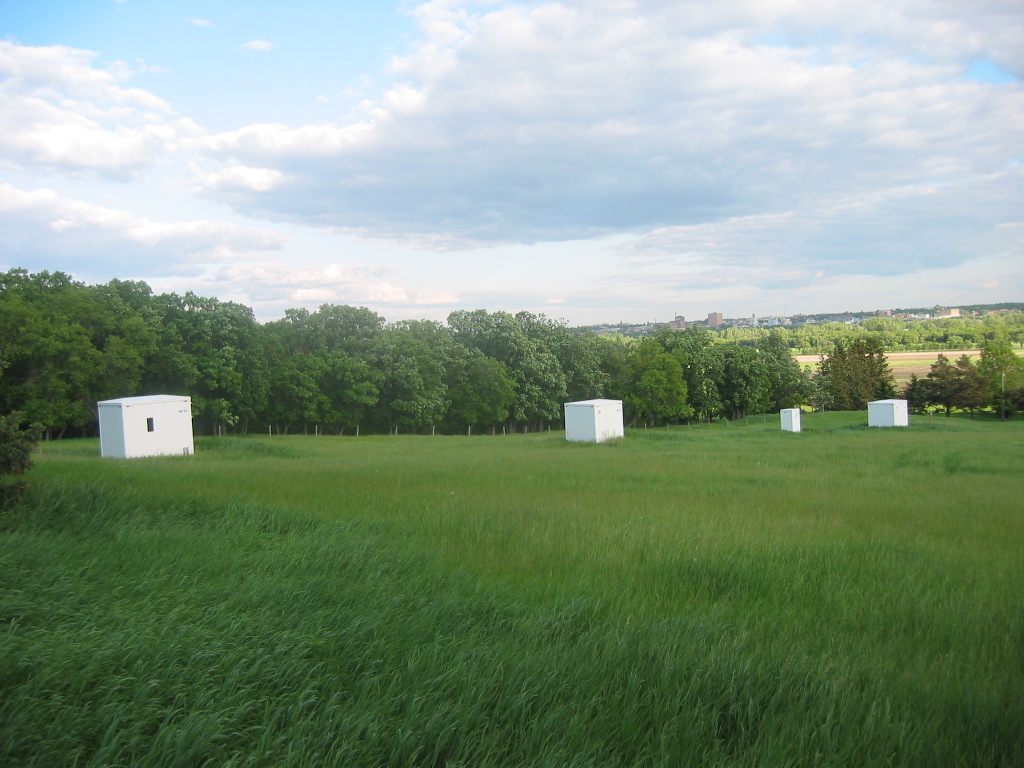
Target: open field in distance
(904, 364)
(694, 596)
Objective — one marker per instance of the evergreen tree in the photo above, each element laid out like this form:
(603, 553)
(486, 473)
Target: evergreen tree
(917, 394)
(857, 372)
(944, 384)
(974, 390)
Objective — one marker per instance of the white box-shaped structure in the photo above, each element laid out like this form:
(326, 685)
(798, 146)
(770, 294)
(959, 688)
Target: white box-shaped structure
(154, 425)
(593, 421)
(888, 413)
(790, 419)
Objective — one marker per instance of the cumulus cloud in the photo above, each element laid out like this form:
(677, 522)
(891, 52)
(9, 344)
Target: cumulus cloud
(333, 282)
(732, 149)
(237, 177)
(58, 112)
(547, 121)
(891, 230)
(270, 287)
(39, 225)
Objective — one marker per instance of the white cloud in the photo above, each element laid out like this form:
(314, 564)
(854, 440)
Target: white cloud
(38, 226)
(743, 151)
(200, 23)
(257, 45)
(270, 287)
(59, 112)
(237, 177)
(277, 142)
(550, 121)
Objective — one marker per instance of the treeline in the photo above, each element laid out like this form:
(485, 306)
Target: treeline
(65, 345)
(894, 334)
(995, 380)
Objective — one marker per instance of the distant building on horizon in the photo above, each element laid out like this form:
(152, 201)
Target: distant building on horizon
(715, 320)
(679, 324)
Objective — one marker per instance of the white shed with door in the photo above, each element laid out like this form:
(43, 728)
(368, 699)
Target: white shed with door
(154, 425)
(593, 421)
(790, 419)
(888, 413)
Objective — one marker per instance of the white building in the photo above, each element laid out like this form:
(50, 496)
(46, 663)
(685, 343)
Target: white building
(790, 419)
(888, 413)
(593, 421)
(155, 425)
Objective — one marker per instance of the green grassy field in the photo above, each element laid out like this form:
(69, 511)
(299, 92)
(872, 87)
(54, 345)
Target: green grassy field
(724, 596)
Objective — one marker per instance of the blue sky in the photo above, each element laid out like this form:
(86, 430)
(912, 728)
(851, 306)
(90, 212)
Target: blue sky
(594, 160)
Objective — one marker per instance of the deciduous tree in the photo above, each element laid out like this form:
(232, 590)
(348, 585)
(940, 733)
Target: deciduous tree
(659, 390)
(787, 383)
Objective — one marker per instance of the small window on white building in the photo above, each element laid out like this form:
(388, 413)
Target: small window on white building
(149, 424)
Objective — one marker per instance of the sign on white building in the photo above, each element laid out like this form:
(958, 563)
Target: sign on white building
(888, 413)
(153, 425)
(593, 421)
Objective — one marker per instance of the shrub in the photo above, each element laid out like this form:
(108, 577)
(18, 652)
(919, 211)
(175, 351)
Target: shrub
(16, 446)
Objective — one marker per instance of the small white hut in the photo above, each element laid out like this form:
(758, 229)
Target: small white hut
(154, 425)
(790, 419)
(888, 413)
(593, 421)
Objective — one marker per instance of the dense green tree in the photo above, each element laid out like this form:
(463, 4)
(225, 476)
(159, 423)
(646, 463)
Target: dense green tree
(479, 388)
(577, 352)
(703, 368)
(348, 339)
(855, 373)
(658, 393)
(414, 355)
(614, 354)
(1002, 370)
(744, 386)
(943, 384)
(819, 392)
(1015, 400)
(294, 366)
(973, 391)
(323, 368)
(353, 330)
(516, 341)
(65, 345)
(787, 384)
(224, 347)
(52, 369)
(917, 394)
(960, 385)
(349, 388)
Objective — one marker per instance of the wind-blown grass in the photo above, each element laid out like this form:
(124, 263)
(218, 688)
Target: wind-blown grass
(688, 596)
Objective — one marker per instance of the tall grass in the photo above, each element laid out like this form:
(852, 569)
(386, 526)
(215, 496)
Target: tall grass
(686, 596)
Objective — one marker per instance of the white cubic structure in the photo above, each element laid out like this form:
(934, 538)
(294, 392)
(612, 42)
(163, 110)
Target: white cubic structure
(790, 419)
(154, 425)
(888, 413)
(593, 421)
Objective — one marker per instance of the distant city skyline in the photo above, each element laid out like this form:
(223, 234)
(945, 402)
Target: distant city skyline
(588, 160)
(935, 312)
